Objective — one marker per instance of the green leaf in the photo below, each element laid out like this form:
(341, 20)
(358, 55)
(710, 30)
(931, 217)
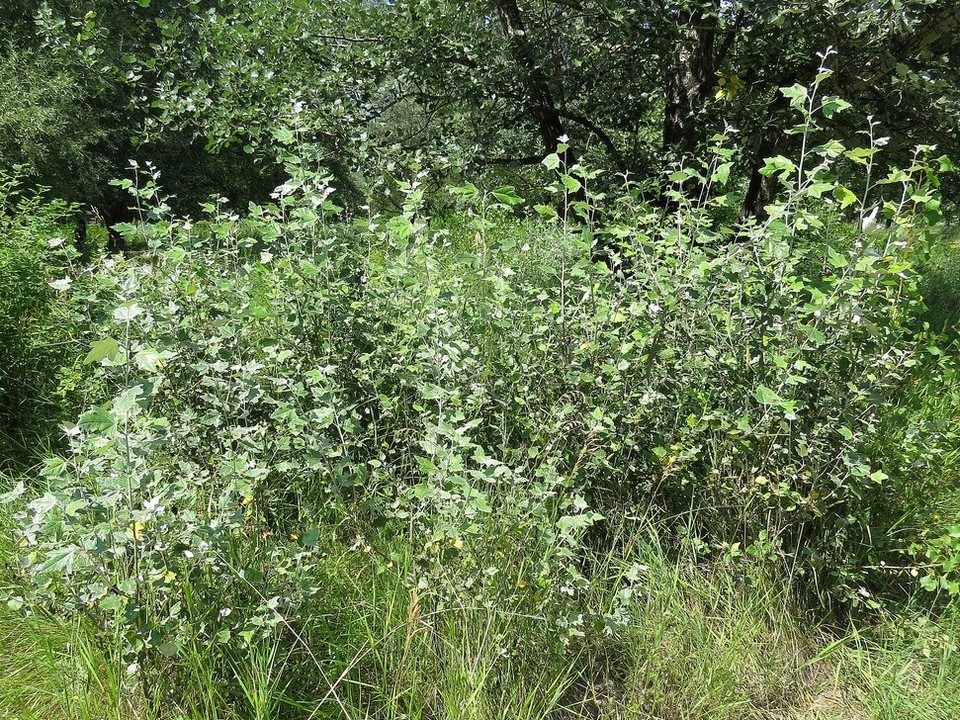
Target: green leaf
(102, 349)
(112, 603)
(930, 583)
(860, 155)
(722, 173)
(779, 164)
(546, 211)
(507, 195)
(766, 396)
(551, 161)
(797, 94)
(75, 506)
(310, 537)
(168, 649)
(813, 334)
(175, 256)
(284, 136)
(831, 148)
(149, 360)
(61, 560)
(571, 183)
(426, 464)
(468, 191)
(400, 226)
(844, 196)
(818, 189)
(832, 104)
(128, 400)
(96, 420)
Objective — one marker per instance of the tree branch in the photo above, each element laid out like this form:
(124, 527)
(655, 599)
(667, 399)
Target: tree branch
(729, 37)
(514, 162)
(601, 135)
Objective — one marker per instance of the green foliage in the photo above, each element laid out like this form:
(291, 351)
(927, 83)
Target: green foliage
(400, 453)
(35, 272)
(941, 287)
(40, 126)
(490, 84)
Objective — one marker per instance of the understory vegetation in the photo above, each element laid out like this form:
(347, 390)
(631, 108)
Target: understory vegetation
(596, 464)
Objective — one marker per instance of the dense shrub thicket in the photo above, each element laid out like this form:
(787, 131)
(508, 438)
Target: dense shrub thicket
(478, 410)
(674, 435)
(35, 263)
(372, 446)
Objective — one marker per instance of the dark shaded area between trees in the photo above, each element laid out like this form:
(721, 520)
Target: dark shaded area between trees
(213, 93)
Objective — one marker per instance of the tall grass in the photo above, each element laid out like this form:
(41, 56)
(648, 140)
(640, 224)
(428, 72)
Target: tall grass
(697, 642)
(52, 668)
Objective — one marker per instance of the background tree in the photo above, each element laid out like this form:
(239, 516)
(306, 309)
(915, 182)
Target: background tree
(75, 108)
(489, 85)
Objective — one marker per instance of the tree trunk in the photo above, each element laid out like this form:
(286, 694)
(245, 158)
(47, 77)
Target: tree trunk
(689, 81)
(80, 234)
(849, 81)
(541, 104)
(761, 189)
(111, 211)
(540, 101)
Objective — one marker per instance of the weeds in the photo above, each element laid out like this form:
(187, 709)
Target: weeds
(401, 470)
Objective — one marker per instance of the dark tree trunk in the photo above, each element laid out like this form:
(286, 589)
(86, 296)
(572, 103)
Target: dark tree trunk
(761, 189)
(110, 211)
(541, 104)
(849, 81)
(107, 212)
(80, 239)
(112, 214)
(540, 101)
(689, 81)
(115, 241)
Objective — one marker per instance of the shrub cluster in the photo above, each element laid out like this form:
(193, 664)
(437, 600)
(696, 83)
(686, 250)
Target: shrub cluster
(35, 264)
(479, 407)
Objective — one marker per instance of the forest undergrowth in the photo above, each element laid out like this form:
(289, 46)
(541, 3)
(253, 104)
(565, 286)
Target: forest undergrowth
(629, 463)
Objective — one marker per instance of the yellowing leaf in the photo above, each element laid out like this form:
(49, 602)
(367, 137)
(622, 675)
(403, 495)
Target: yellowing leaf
(728, 87)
